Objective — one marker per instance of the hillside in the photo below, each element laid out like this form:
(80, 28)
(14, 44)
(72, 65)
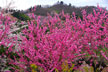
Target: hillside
(58, 7)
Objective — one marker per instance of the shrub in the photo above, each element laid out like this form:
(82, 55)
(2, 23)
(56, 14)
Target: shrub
(6, 41)
(21, 16)
(56, 41)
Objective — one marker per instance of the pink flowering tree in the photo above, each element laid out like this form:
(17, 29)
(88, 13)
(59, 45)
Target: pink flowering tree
(54, 40)
(6, 41)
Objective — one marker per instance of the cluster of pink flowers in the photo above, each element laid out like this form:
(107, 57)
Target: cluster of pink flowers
(4, 29)
(58, 40)
(6, 38)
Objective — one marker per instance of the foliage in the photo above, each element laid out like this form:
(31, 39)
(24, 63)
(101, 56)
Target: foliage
(21, 16)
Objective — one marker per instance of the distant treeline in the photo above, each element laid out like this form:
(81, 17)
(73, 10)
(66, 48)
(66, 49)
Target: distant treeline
(59, 6)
